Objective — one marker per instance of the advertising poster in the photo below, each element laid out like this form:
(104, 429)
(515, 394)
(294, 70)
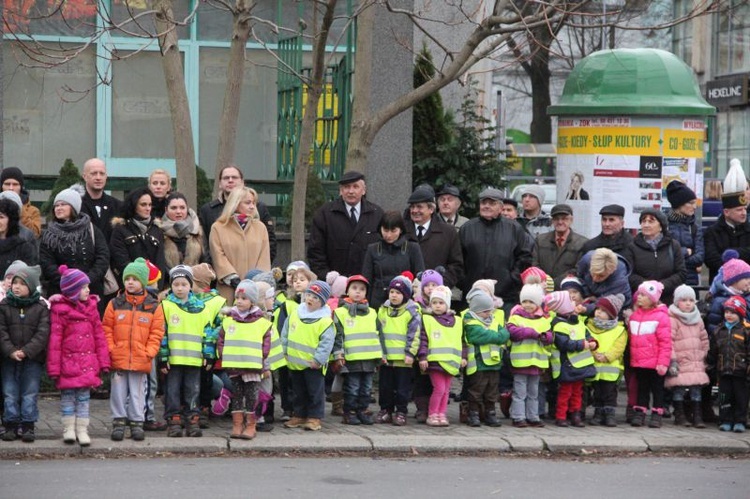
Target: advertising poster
(627, 161)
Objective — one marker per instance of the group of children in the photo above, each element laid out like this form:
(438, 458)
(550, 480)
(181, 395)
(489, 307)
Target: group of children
(415, 341)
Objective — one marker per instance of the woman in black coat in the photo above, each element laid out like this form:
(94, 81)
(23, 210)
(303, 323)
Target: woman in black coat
(12, 246)
(71, 239)
(389, 257)
(135, 235)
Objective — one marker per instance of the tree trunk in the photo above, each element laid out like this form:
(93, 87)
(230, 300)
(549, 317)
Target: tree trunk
(361, 136)
(307, 133)
(178, 101)
(230, 112)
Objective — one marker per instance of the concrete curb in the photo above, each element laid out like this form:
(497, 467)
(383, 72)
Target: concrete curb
(698, 445)
(583, 444)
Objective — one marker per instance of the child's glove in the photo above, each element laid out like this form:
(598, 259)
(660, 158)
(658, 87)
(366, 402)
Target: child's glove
(674, 369)
(661, 370)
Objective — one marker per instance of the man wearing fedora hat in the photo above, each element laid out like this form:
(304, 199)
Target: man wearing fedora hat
(341, 229)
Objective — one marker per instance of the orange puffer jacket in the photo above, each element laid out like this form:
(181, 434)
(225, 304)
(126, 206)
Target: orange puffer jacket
(134, 326)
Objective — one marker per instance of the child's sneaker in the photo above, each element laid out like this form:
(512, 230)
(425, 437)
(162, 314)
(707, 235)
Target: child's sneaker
(27, 432)
(294, 422)
(536, 424)
(350, 418)
(433, 420)
(11, 432)
(399, 419)
(725, 427)
(174, 428)
(562, 423)
(443, 420)
(364, 417)
(383, 417)
(520, 423)
(312, 424)
(738, 428)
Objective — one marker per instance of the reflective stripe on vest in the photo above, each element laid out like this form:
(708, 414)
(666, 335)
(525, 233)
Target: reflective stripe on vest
(576, 332)
(394, 334)
(361, 340)
(290, 306)
(302, 341)
(444, 344)
(608, 371)
(243, 343)
(185, 332)
(530, 352)
(276, 357)
(491, 354)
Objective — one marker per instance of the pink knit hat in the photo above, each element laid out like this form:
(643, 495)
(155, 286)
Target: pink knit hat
(72, 281)
(534, 275)
(652, 289)
(734, 270)
(337, 283)
(560, 302)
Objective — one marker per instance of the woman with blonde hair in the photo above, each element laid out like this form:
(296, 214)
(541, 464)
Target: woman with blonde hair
(576, 191)
(238, 241)
(160, 185)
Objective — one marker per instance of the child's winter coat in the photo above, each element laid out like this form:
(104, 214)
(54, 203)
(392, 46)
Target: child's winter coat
(611, 343)
(689, 348)
(77, 350)
(533, 333)
(729, 353)
(650, 337)
(134, 327)
(24, 327)
(576, 363)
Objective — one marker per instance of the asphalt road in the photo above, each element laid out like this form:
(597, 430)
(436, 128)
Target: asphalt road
(163, 478)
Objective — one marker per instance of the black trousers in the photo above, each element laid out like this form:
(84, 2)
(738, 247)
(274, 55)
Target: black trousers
(309, 387)
(394, 388)
(733, 398)
(649, 384)
(605, 394)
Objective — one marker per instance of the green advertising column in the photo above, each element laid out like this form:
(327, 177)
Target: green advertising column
(629, 122)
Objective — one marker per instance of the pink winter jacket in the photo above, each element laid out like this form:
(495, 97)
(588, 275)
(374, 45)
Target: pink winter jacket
(689, 349)
(77, 349)
(650, 337)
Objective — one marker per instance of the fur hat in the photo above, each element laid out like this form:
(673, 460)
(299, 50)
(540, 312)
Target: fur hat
(534, 275)
(249, 289)
(533, 293)
(441, 293)
(734, 270)
(736, 304)
(429, 276)
(652, 289)
(337, 282)
(571, 282)
(320, 289)
(181, 271)
(137, 269)
(203, 275)
(560, 302)
(72, 281)
(679, 194)
(536, 191)
(612, 304)
(402, 284)
(71, 197)
(683, 292)
(30, 275)
(479, 301)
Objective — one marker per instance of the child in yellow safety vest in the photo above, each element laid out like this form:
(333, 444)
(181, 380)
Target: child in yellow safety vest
(612, 337)
(442, 352)
(422, 387)
(185, 351)
(248, 352)
(358, 349)
(399, 323)
(574, 344)
(530, 331)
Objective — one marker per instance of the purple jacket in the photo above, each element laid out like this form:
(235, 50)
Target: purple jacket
(447, 320)
(77, 350)
(520, 333)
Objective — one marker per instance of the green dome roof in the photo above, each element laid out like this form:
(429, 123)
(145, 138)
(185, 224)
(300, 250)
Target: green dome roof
(631, 82)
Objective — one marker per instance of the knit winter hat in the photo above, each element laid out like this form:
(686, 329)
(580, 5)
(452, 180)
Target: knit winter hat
(533, 293)
(264, 289)
(402, 284)
(658, 215)
(30, 275)
(683, 292)
(320, 289)
(357, 278)
(11, 195)
(652, 289)
(337, 282)
(296, 265)
(429, 276)
(571, 282)
(154, 274)
(536, 191)
(203, 275)
(72, 281)
(734, 270)
(71, 197)
(679, 194)
(441, 293)
(249, 289)
(14, 267)
(137, 269)
(252, 273)
(560, 302)
(486, 285)
(736, 304)
(534, 275)
(181, 271)
(271, 277)
(11, 172)
(479, 301)
(612, 304)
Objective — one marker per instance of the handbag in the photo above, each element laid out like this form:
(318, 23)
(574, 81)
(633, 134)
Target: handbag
(111, 284)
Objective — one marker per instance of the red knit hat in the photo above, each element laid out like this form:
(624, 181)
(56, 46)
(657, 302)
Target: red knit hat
(736, 304)
(534, 272)
(154, 274)
(357, 278)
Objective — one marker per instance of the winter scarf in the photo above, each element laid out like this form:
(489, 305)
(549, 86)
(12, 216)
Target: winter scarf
(654, 243)
(354, 309)
(142, 223)
(605, 325)
(182, 228)
(689, 318)
(63, 237)
(18, 302)
(676, 217)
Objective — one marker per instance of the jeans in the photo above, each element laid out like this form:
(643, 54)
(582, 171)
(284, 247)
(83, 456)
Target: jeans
(525, 397)
(309, 387)
(153, 379)
(21, 382)
(182, 391)
(357, 388)
(75, 402)
(678, 393)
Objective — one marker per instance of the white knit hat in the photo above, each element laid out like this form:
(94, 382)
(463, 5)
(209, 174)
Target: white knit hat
(443, 293)
(533, 293)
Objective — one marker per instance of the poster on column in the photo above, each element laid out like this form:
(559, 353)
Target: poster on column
(627, 161)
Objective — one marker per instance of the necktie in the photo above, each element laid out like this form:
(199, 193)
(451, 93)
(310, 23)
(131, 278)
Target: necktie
(420, 232)
(449, 221)
(353, 215)
(560, 241)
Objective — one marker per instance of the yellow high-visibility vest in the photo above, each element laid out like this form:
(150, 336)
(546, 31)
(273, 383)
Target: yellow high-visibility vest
(185, 332)
(444, 343)
(361, 341)
(530, 352)
(394, 331)
(243, 343)
(608, 371)
(576, 332)
(491, 355)
(302, 341)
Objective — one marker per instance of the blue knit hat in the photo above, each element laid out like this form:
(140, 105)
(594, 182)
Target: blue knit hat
(321, 289)
(402, 284)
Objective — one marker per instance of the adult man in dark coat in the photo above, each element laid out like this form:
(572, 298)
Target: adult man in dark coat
(342, 229)
(613, 234)
(495, 247)
(730, 231)
(557, 252)
(229, 178)
(441, 249)
(97, 204)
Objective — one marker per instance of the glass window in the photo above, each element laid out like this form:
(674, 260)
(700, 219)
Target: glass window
(682, 34)
(733, 47)
(68, 18)
(732, 129)
(141, 119)
(49, 115)
(256, 136)
(133, 21)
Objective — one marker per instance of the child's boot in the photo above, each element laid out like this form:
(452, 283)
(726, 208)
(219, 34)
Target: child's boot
(249, 432)
(364, 417)
(656, 417)
(639, 416)
(27, 433)
(203, 419)
(350, 418)
(472, 419)
(193, 426)
(118, 429)
(629, 414)
(238, 417)
(220, 405)
(576, 419)
(11, 432)
(679, 413)
(609, 417)
(136, 431)
(598, 418)
(697, 416)
(82, 432)
(490, 418)
(174, 426)
(422, 404)
(69, 429)
(337, 403)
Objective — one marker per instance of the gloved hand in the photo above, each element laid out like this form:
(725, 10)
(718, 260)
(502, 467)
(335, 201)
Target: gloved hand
(234, 282)
(661, 370)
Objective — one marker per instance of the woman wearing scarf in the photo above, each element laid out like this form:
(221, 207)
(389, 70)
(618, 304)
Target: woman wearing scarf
(13, 246)
(136, 235)
(71, 239)
(238, 241)
(183, 235)
(685, 229)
